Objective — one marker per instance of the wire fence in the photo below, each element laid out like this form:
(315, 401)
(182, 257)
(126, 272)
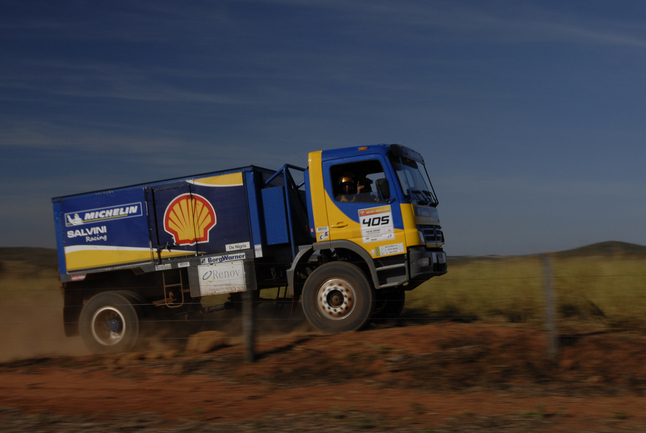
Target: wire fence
(545, 291)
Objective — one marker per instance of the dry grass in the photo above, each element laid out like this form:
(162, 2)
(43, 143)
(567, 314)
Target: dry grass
(606, 285)
(603, 288)
(23, 283)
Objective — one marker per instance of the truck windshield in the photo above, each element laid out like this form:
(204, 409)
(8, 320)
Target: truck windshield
(414, 180)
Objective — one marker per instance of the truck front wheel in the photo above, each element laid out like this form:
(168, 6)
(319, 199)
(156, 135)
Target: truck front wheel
(109, 323)
(337, 297)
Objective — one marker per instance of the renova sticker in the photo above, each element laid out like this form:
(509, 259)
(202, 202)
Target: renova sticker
(189, 218)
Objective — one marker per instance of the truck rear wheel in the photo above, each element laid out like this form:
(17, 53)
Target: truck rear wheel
(337, 297)
(109, 323)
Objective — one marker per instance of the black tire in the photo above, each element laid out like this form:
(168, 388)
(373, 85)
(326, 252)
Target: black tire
(109, 323)
(390, 304)
(337, 297)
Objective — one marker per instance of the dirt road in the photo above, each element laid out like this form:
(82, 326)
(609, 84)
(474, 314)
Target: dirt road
(430, 377)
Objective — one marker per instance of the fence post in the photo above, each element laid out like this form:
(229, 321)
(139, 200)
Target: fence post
(248, 326)
(550, 315)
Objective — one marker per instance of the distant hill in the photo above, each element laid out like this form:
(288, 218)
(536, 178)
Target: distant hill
(602, 249)
(610, 248)
(47, 257)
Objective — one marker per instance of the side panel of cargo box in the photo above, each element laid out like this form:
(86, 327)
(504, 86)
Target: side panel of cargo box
(148, 224)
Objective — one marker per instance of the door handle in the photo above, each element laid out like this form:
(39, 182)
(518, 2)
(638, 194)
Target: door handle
(340, 225)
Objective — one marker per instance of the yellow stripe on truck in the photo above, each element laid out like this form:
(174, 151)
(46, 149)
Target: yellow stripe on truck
(410, 225)
(95, 257)
(317, 190)
(231, 179)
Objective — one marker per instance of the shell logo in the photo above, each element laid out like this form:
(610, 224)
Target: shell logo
(189, 218)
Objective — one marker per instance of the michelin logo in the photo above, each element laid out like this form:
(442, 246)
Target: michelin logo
(104, 213)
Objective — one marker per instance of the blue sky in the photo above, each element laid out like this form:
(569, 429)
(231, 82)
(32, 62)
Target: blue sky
(530, 114)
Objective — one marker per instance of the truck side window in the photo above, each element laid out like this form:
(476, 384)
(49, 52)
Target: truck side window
(355, 181)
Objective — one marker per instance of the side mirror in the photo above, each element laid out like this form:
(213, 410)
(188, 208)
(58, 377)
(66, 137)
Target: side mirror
(383, 188)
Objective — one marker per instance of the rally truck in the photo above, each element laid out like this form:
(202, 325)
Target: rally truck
(345, 237)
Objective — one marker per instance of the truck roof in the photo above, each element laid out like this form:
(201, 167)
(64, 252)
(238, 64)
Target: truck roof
(165, 181)
(380, 149)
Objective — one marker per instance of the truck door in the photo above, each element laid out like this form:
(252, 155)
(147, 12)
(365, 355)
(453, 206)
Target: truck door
(360, 209)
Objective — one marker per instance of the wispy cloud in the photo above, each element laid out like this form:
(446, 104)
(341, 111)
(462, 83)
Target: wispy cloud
(510, 22)
(107, 80)
(544, 190)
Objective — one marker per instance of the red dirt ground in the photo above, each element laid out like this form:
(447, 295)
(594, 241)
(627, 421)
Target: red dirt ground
(431, 377)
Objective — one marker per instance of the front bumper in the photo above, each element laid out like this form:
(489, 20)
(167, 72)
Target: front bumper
(425, 264)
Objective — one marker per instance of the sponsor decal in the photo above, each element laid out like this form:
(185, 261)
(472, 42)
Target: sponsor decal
(91, 234)
(163, 267)
(376, 224)
(238, 247)
(88, 216)
(219, 278)
(220, 274)
(258, 250)
(77, 277)
(183, 265)
(225, 258)
(189, 218)
(323, 233)
(387, 250)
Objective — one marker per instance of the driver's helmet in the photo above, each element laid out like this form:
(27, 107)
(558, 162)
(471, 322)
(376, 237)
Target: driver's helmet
(347, 185)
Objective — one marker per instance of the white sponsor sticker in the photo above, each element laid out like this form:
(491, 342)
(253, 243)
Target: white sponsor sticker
(376, 224)
(322, 233)
(238, 247)
(387, 250)
(220, 278)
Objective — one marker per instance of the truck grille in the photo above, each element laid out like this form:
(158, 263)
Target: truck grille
(432, 234)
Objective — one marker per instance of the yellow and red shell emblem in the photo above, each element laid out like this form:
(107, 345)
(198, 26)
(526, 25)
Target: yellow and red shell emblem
(189, 218)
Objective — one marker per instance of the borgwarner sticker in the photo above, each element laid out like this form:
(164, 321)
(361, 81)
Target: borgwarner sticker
(118, 211)
(376, 224)
(225, 258)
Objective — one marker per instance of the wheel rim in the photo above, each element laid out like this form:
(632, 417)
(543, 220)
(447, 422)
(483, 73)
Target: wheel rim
(336, 299)
(108, 326)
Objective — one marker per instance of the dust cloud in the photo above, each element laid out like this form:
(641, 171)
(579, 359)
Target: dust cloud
(33, 327)
(35, 331)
